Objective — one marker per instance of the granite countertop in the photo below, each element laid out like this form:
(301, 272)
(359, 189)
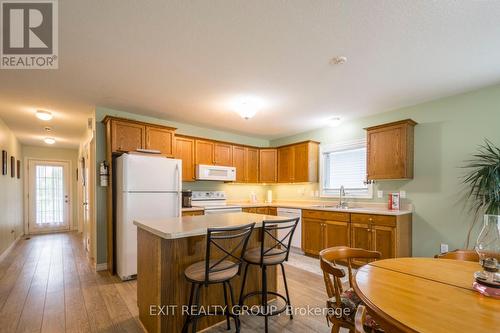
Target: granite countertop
(363, 208)
(188, 226)
(192, 209)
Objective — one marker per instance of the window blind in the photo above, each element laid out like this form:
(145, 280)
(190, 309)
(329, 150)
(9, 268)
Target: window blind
(345, 167)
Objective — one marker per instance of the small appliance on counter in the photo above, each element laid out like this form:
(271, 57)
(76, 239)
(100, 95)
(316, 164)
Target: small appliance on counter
(187, 197)
(269, 196)
(214, 202)
(394, 201)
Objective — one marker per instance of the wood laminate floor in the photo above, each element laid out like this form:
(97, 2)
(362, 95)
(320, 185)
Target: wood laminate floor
(48, 285)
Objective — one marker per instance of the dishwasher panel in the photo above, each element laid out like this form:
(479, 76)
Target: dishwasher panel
(297, 235)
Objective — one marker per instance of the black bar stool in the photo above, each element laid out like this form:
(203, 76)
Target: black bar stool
(231, 243)
(273, 250)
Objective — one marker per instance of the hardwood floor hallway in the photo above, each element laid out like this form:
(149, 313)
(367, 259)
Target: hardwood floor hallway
(48, 285)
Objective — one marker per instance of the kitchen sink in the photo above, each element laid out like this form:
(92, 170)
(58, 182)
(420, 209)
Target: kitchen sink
(329, 206)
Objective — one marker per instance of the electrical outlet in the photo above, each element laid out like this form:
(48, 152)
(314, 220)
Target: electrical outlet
(402, 194)
(380, 194)
(444, 248)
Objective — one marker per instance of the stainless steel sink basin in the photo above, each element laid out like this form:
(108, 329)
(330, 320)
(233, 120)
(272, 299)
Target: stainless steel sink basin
(325, 206)
(330, 206)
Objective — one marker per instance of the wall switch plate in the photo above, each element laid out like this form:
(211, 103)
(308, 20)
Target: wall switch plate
(380, 194)
(444, 248)
(402, 194)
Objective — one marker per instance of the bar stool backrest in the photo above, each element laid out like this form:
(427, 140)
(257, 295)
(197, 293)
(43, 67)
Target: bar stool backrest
(272, 245)
(231, 242)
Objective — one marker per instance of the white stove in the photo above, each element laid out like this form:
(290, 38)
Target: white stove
(214, 202)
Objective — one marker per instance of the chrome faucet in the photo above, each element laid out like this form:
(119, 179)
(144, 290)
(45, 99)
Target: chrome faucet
(342, 203)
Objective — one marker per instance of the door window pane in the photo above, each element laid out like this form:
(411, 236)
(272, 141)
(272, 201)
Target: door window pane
(49, 195)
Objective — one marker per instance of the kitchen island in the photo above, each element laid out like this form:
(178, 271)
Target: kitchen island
(166, 247)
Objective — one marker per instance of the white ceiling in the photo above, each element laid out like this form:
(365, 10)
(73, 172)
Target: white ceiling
(186, 61)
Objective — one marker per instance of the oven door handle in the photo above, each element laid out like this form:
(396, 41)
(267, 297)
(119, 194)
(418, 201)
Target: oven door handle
(222, 210)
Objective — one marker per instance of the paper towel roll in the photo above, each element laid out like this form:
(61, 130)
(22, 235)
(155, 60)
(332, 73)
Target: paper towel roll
(269, 196)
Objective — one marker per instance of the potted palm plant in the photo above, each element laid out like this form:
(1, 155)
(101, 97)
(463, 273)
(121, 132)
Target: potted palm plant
(483, 180)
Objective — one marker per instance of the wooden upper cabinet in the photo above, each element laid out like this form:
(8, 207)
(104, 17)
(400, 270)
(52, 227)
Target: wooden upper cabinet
(286, 164)
(161, 139)
(306, 159)
(223, 154)
(127, 136)
(268, 165)
(298, 162)
(252, 165)
(204, 152)
(390, 150)
(184, 150)
(239, 162)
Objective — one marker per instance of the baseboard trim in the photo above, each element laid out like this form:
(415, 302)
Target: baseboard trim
(11, 246)
(101, 267)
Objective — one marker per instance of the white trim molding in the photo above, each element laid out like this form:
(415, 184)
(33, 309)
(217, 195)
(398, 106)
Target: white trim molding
(9, 249)
(101, 267)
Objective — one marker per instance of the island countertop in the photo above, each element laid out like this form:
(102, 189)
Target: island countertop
(188, 226)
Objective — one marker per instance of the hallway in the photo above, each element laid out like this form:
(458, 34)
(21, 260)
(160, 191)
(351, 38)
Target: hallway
(48, 285)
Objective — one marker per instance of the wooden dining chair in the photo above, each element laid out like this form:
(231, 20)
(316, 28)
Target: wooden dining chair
(359, 319)
(344, 303)
(466, 255)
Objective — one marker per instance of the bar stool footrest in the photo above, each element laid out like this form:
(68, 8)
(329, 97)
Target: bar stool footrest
(273, 313)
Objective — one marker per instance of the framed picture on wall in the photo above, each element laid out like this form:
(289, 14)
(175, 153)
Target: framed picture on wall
(18, 169)
(4, 162)
(12, 166)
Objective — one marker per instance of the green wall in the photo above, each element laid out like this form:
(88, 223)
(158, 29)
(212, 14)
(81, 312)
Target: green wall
(11, 192)
(449, 131)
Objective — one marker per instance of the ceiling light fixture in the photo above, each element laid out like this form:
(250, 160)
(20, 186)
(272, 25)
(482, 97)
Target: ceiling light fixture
(338, 60)
(334, 121)
(43, 115)
(49, 141)
(246, 111)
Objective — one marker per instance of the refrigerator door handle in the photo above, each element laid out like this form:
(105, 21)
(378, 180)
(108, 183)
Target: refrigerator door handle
(177, 177)
(179, 203)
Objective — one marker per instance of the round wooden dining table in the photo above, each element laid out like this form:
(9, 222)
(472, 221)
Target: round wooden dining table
(426, 295)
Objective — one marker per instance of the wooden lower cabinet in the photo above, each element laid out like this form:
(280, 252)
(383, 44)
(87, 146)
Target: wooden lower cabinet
(336, 233)
(390, 235)
(384, 241)
(261, 210)
(193, 213)
(361, 237)
(312, 236)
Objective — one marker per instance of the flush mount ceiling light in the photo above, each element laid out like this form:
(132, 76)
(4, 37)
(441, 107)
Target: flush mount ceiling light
(334, 121)
(43, 115)
(49, 141)
(247, 107)
(340, 60)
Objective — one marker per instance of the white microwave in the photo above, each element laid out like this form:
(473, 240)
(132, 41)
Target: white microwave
(215, 172)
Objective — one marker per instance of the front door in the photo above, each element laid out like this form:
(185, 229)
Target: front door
(49, 200)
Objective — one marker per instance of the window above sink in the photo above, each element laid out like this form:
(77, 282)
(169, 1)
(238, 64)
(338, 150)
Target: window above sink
(344, 164)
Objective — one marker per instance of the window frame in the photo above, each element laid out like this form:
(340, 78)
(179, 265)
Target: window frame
(348, 145)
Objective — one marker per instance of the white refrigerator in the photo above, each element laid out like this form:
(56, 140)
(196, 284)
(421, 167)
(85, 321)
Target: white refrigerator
(147, 187)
